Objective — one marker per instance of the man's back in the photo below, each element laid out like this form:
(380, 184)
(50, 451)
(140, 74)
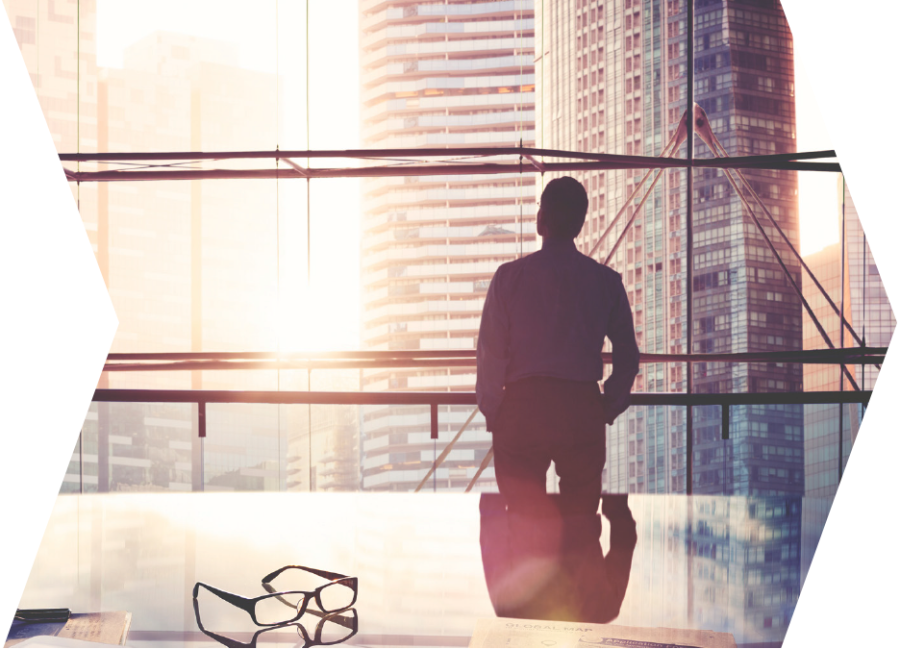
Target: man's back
(560, 304)
(548, 314)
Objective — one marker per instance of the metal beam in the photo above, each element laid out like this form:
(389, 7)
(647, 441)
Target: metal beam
(456, 398)
(383, 171)
(367, 154)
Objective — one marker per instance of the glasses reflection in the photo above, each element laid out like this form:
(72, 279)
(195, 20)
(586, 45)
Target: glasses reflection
(331, 629)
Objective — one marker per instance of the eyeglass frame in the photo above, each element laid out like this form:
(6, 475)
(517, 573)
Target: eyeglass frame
(339, 617)
(333, 577)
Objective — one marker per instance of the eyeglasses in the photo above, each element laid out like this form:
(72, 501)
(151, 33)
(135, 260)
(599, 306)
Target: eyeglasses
(336, 596)
(284, 607)
(333, 628)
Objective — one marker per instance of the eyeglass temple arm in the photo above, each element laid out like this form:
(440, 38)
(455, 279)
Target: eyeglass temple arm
(231, 598)
(225, 640)
(332, 576)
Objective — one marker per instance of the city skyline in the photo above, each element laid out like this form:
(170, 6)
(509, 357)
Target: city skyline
(338, 46)
(131, 91)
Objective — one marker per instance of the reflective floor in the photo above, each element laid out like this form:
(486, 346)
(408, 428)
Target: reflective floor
(717, 563)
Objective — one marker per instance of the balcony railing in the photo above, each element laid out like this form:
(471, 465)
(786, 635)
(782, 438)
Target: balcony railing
(168, 362)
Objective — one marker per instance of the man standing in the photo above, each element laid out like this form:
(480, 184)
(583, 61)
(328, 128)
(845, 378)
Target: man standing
(542, 330)
(544, 322)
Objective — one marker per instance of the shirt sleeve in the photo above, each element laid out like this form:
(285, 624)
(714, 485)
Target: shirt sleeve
(625, 354)
(492, 353)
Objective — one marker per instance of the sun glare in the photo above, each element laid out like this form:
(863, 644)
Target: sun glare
(319, 319)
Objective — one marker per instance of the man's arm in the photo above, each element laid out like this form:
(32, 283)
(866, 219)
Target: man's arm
(492, 353)
(617, 388)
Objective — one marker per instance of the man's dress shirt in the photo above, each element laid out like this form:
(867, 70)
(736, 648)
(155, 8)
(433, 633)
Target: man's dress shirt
(548, 314)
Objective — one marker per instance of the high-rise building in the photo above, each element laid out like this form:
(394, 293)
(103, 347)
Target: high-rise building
(611, 78)
(323, 448)
(58, 46)
(451, 74)
(58, 42)
(868, 311)
(821, 423)
(866, 289)
(171, 271)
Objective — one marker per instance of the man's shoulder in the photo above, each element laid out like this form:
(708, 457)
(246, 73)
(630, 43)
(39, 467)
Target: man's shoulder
(516, 265)
(602, 271)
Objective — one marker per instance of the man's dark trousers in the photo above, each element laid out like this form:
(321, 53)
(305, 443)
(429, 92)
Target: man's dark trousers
(543, 419)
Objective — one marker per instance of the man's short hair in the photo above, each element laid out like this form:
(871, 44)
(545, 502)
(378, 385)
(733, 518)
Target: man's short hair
(564, 204)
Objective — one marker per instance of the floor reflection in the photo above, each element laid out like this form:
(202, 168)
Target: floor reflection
(552, 567)
(428, 566)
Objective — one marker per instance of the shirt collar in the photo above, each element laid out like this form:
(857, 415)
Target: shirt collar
(551, 243)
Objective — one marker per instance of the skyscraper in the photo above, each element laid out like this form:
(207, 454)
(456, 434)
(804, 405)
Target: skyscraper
(171, 268)
(821, 422)
(876, 321)
(868, 311)
(611, 79)
(438, 75)
(65, 76)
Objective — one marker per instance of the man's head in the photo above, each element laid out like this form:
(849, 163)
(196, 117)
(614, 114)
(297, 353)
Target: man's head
(564, 204)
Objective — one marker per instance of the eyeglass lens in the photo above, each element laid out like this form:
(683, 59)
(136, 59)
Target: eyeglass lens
(271, 610)
(336, 596)
(332, 597)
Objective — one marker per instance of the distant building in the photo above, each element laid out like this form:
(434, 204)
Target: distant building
(333, 443)
(868, 311)
(190, 266)
(65, 78)
(457, 74)
(611, 79)
(821, 422)
(876, 319)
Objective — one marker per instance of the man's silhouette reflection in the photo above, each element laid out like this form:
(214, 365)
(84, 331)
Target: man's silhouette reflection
(550, 566)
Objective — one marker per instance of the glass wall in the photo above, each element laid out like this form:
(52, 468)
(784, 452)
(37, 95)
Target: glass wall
(402, 263)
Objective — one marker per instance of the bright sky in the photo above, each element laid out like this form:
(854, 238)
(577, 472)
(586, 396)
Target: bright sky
(334, 122)
(818, 190)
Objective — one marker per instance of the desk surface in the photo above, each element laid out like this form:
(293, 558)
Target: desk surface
(730, 564)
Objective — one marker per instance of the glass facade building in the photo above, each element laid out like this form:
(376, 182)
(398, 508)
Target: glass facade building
(611, 79)
(822, 423)
(868, 311)
(445, 75)
(866, 288)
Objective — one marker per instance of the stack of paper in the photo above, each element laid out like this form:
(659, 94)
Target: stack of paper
(508, 632)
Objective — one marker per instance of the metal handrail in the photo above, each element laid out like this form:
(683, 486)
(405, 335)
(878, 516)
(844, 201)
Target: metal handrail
(142, 362)
(435, 399)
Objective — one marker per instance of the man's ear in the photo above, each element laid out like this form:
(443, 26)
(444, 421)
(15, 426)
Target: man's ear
(541, 229)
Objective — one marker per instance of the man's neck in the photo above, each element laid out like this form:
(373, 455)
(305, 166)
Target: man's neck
(556, 243)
